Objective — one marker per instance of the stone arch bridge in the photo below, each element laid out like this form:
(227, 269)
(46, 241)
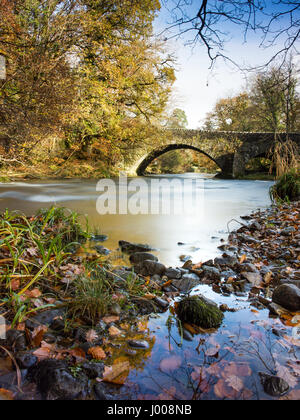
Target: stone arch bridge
(229, 150)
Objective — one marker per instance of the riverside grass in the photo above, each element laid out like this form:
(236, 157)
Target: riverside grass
(46, 259)
(31, 251)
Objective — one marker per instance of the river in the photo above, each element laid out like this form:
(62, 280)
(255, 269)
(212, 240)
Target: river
(222, 200)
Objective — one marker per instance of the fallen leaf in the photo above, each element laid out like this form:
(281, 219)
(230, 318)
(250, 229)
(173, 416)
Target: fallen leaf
(38, 335)
(46, 351)
(116, 374)
(284, 373)
(213, 369)
(15, 284)
(33, 294)
(78, 353)
(235, 383)
(243, 258)
(6, 395)
(236, 369)
(91, 336)
(223, 391)
(213, 351)
(268, 277)
(149, 296)
(97, 353)
(170, 364)
(114, 331)
(291, 396)
(110, 319)
(291, 340)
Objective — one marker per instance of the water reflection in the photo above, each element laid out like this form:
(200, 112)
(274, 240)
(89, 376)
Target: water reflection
(222, 364)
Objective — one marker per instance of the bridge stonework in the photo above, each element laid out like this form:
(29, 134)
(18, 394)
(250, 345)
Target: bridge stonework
(229, 150)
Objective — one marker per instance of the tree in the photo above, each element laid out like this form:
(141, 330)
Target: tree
(274, 95)
(177, 119)
(232, 114)
(270, 104)
(275, 23)
(87, 71)
(39, 89)
(126, 78)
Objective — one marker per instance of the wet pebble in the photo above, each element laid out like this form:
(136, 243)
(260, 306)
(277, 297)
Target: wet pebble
(138, 344)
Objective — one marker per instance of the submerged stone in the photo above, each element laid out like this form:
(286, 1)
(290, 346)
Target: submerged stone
(288, 296)
(273, 385)
(200, 311)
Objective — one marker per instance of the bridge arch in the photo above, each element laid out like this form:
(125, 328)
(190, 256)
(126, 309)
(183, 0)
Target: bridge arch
(165, 149)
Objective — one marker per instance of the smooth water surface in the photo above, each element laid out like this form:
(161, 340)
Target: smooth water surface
(223, 200)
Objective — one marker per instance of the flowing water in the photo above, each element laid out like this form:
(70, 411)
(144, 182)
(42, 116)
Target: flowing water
(223, 364)
(222, 200)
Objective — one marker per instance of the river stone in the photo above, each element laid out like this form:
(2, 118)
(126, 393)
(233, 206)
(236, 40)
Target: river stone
(139, 257)
(15, 340)
(273, 385)
(247, 267)
(211, 272)
(173, 273)
(186, 283)
(120, 275)
(44, 318)
(247, 239)
(101, 392)
(101, 250)
(99, 238)
(138, 344)
(162, 303)
(56, 382)
(288, 296)
(200, 311)
(228, 261)
(26, 360)
(254, 278)
(131, 248)
(150, 268)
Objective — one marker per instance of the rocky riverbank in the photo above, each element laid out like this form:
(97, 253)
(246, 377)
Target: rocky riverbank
(71, 349)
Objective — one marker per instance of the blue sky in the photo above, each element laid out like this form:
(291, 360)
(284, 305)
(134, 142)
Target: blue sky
(198, 88)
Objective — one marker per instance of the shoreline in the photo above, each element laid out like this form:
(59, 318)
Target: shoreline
(253, 264)
(21, 177)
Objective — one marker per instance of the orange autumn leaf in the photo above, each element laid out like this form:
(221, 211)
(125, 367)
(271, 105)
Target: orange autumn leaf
(38, 335)
(243, 258)
(117, 373)
(114, 331)
(97, 353)
(6, 395)
(77, 353)
(149, 296)
(110, 319)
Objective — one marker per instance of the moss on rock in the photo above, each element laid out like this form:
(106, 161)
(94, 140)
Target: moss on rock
(200, 311)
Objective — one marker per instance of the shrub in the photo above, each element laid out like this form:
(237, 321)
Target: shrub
(287, 188)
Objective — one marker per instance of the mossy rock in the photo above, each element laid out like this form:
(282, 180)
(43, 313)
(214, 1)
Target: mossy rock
(200, 311)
